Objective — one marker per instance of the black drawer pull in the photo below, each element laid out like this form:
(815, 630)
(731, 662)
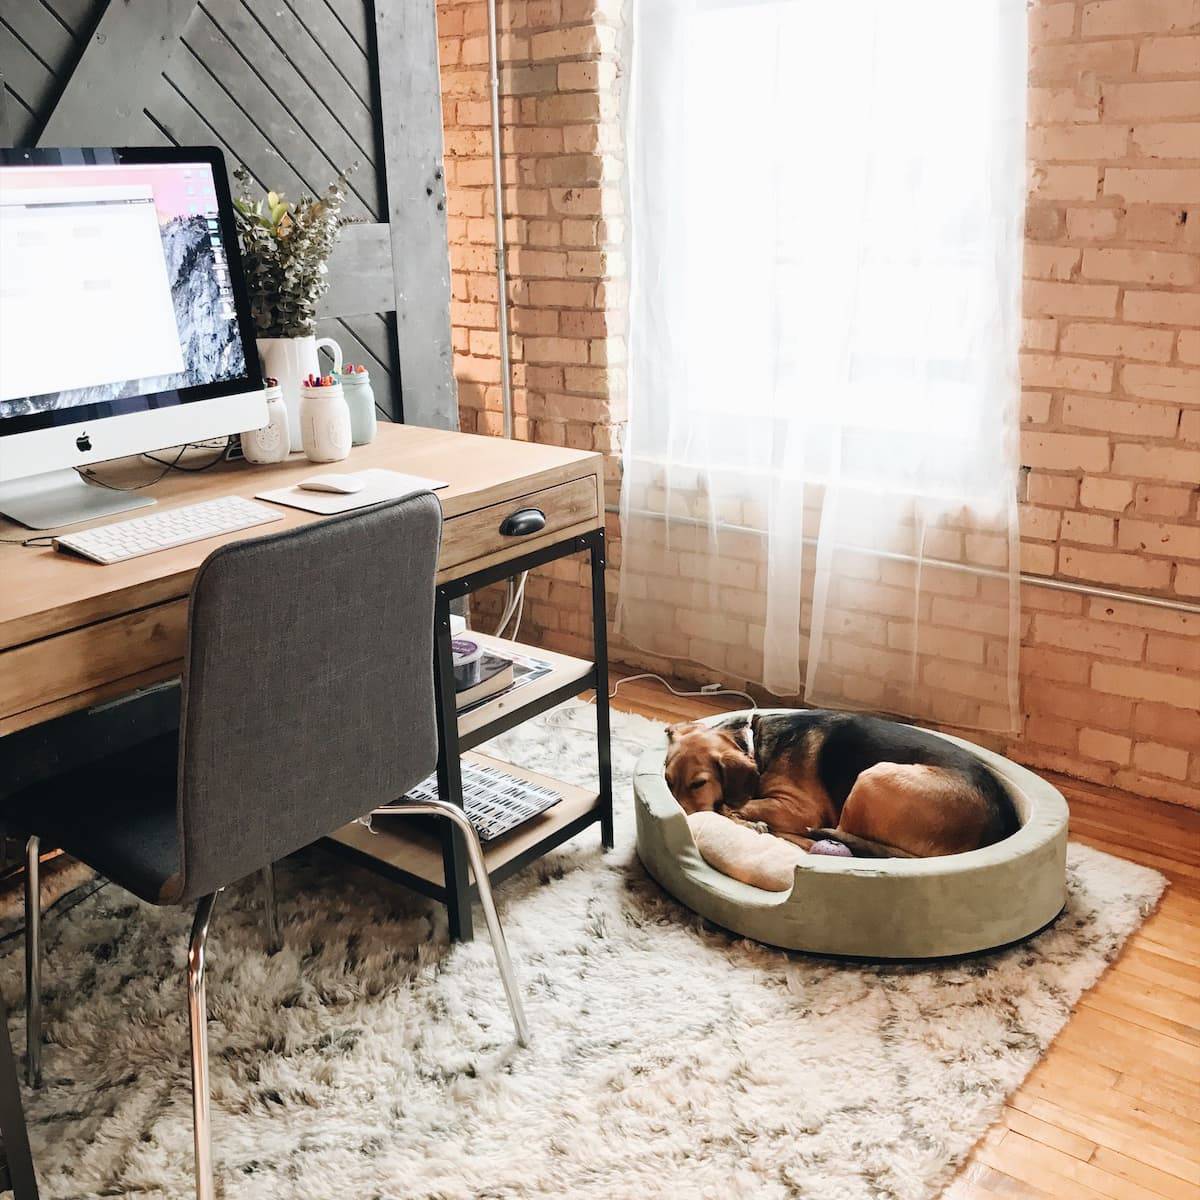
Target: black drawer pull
(523, 522)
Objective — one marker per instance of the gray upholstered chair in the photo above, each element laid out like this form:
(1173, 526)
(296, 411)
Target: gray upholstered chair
(307, 701)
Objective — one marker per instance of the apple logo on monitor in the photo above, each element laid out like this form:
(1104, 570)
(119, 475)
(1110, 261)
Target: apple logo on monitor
(83, 443)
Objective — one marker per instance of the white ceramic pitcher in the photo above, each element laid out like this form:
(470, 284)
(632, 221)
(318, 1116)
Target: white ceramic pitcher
(289, 360)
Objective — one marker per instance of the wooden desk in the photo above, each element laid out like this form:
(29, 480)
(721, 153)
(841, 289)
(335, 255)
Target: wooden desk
(74, 633)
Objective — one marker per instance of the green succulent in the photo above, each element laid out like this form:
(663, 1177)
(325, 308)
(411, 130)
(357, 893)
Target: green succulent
(285, 251)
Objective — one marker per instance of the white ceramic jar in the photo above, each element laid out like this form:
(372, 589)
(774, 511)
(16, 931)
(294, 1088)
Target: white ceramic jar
(324, 423)
(291, 360)
(271, 443)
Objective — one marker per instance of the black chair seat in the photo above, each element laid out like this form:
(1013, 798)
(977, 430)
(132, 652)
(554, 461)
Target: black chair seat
(118, 815)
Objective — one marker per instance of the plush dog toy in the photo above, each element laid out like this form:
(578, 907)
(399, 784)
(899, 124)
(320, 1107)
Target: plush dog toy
(743, 852)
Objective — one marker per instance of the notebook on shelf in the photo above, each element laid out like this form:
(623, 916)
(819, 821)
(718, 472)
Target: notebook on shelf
(496, 802)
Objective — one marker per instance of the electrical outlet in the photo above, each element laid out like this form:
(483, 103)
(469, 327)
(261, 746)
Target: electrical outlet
(709, 688)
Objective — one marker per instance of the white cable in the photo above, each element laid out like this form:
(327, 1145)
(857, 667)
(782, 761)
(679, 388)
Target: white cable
(520, 612)
(677, 692)
(515, 604)
(506, 611)
(564, 712)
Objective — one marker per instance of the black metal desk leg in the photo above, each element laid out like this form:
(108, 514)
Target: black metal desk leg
(12, 1122)
(449, 774)
(600, 654)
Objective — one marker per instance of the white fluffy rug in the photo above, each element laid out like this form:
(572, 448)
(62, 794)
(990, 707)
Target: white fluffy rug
(669, 1059)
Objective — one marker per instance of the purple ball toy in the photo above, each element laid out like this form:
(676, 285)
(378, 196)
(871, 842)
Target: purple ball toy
(832, 848)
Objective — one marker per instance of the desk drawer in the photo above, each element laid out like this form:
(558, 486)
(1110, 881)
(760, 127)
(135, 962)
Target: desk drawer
(513, 527)
(81, 660)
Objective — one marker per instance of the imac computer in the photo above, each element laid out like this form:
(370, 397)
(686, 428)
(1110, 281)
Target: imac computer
(124, 323)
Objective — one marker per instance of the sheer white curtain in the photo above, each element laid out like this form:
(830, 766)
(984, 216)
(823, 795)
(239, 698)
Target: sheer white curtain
(826, 209)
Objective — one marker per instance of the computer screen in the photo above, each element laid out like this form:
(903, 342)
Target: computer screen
(116, 290)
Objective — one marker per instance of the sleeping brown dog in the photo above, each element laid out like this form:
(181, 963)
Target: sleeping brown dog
(881, 788)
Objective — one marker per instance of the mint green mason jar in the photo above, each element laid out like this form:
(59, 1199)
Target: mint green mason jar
(360, 400)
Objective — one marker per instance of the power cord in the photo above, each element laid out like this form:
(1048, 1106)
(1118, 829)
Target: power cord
(167, 468)
(208, 466)
(38, 540)
(73, 895)
(44, 540)
(709, 689)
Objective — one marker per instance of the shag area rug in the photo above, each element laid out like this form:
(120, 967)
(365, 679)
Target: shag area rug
(669, 1059)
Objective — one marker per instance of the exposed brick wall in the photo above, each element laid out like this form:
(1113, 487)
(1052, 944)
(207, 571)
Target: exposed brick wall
(1112, 411)
(1111, 362)
(562, 194)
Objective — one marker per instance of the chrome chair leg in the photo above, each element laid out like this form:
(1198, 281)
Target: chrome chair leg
(452, 812)
(270, 911)
(33, 962)
(198, 1022)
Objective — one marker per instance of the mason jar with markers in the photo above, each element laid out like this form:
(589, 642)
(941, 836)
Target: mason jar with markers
(324, 419)
(360, 400)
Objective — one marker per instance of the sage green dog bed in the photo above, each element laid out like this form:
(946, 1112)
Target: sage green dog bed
(902, 908)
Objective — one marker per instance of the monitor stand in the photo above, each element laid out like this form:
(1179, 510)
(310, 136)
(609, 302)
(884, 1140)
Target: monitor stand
(63, 498)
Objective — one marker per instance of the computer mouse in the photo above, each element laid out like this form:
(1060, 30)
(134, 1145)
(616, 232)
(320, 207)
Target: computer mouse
(344, 485)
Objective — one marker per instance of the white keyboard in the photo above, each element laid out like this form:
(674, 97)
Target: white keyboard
(175, 527)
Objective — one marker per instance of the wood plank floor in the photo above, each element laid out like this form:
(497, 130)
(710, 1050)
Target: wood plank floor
(1113, 1110)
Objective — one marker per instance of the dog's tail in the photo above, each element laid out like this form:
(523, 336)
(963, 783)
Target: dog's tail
(862, 847)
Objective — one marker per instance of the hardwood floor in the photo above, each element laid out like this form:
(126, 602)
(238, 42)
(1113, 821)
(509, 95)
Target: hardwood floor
(1113, 1110)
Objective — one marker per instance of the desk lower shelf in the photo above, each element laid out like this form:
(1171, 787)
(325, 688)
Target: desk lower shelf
(411, 849)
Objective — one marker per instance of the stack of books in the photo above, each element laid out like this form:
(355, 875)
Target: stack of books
(495, 676)
(498, 674)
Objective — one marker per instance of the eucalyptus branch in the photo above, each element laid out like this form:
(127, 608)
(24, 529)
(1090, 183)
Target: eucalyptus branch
(285, 252)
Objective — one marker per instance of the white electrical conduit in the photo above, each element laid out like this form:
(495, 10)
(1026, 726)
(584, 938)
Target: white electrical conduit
(498, 207)
(514, 597)
(1041, 581)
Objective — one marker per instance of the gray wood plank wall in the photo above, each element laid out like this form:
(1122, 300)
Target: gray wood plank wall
(288, 88)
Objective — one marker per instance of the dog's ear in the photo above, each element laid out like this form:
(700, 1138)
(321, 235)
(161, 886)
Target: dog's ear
(675, 731)
(739, 776)
(739, 735)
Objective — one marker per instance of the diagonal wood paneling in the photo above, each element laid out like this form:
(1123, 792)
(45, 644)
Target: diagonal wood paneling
(411, 110)
(77, 15)
(36, 54)
(284, 89)
(42, 32)
(307, 109)
(329, 25)
(28, 86)
(300, 48)
(40, 43)
(287, 88)
(367, 340)
(101, 101)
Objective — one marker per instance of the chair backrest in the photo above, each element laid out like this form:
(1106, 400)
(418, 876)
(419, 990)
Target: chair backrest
(308, 688)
